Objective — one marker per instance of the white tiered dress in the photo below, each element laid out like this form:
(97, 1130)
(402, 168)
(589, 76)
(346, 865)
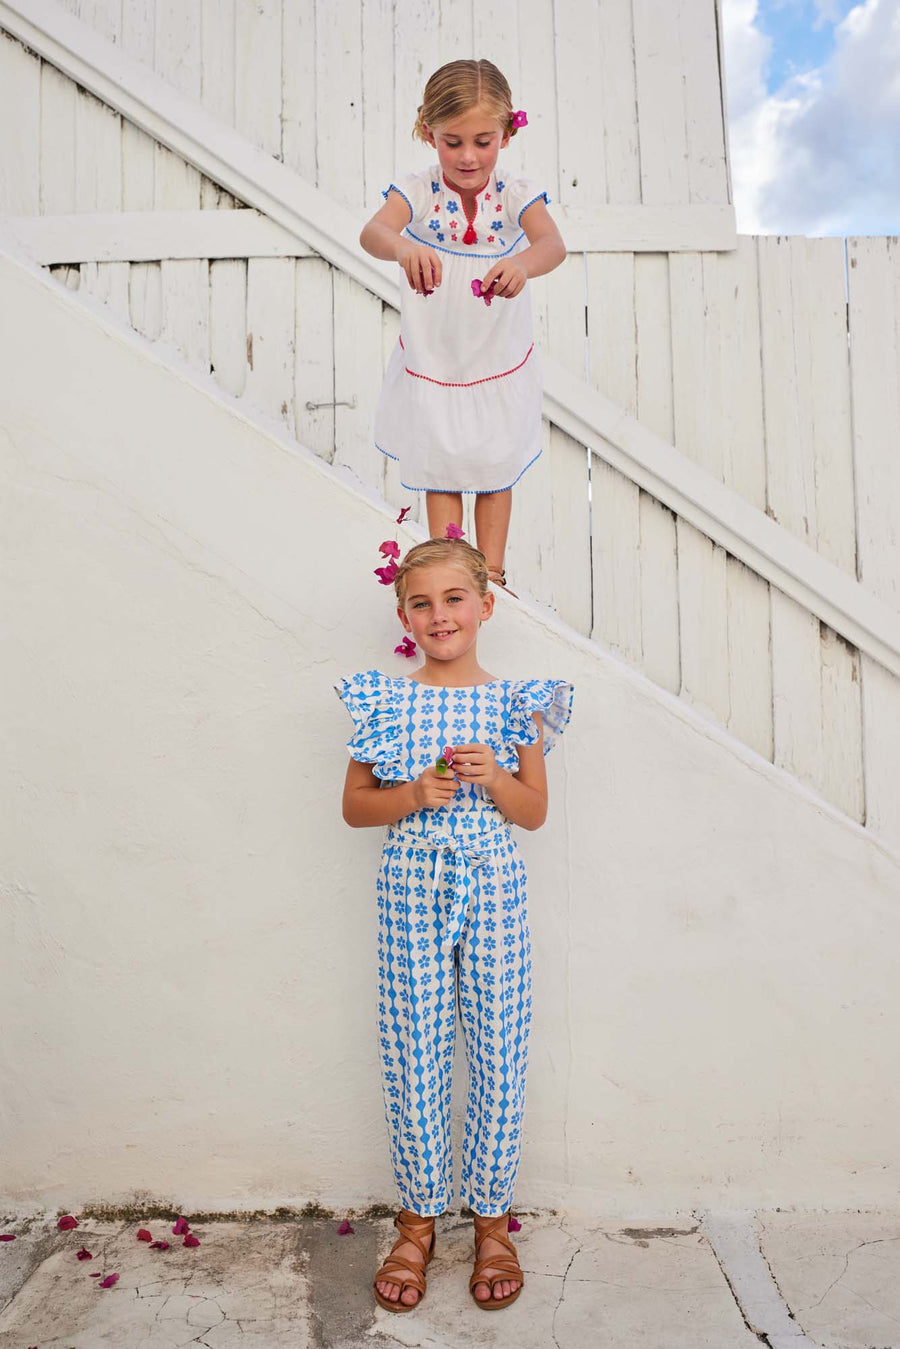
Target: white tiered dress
(460, 407)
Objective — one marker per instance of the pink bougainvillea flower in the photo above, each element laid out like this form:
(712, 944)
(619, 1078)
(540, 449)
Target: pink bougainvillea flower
(403, 514)
(67, 1223)
(514, 1224)
(386, 574)
(454, 532)
(7, 1236)
(520, 118)
(97, 1274)
(191, 1240)
(144, 1235)
(389, 548)
(109, 1281)
(159, 1245)
(406, 648)
(84, 1254)
(181, 1226)
(345, 1230)
(480, 293)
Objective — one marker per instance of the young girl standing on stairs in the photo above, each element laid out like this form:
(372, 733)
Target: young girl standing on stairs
(460, 408)
(453, 927)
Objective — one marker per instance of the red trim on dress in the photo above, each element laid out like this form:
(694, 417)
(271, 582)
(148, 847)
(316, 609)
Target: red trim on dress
(450, 384)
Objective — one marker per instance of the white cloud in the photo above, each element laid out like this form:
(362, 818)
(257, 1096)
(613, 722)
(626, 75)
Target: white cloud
(821, 155)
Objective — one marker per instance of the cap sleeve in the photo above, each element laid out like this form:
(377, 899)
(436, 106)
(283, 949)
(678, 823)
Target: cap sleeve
(551, 697)
(519, 194)
(369, 698)
(415, 189)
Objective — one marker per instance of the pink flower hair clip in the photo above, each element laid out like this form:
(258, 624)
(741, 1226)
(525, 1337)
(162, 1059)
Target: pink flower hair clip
(519, 119)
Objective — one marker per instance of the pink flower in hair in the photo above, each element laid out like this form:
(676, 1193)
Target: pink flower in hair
(520, 118)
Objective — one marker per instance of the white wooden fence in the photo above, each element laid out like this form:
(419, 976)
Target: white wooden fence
(740, 359)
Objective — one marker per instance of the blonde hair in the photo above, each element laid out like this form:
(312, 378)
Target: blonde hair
(460, 86)
(436, 551)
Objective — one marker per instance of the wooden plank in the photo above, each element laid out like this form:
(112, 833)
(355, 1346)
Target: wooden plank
(357, 382)
(612, 334)
(145, 299)
(797, 690)
(659, 64)
(57, 171)
(215, 198)
(616, 562)
(659, 594)
(141, 236)
(648, 229)
(109, 282)
(270, 337)
(697, 384)
(654, 347)
(257, 72)
(392, 488)
(704, 123)
(20, 107)
(495, 37)
(619, 125)
(582, 164)
(787, 386)
(177, 53)
(749, 658)
(842, 761)
(566, 300)
(881, 724)
(703, 619)
(185, 309)
(139, 29)
(339, 105)
(736, 296)
(314, 358)
(874, 276)
(218, 73)
(138, 169)
(570, 514)
(531, 545)
(415, 59)
(176, 183)
(299, 127)
(104, 16)
(378, 100)
(455, 39)
(228, 323)
(98, 142)
(538, 94)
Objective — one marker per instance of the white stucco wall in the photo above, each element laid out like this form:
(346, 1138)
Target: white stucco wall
(187, 925)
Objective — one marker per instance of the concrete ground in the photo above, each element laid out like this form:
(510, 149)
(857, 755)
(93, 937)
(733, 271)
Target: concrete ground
(790, 1281)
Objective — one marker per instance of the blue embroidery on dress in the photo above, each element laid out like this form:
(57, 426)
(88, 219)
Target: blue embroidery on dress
(500, 185)
(496, 224)
(435, 187)
(440, 236)
(434, 225)
(452, 207)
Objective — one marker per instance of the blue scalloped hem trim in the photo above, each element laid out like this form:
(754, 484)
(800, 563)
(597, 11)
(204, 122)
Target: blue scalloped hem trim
(394, 188)
(466, 252)
(461, 491)
(541, 196)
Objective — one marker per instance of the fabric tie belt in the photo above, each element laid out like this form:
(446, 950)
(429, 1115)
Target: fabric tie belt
(468, 854)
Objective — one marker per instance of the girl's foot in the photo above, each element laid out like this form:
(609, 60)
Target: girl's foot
(497, 1279)
(498, 576)
(400, 1282)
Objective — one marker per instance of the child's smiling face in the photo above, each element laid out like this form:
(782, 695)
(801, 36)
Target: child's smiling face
(443, 610)
(468, 147)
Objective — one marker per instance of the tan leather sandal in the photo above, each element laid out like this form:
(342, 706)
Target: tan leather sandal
(505, 1268)
(400, 1270)
(498, 576)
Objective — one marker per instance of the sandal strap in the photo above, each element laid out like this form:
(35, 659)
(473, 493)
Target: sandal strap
(508, 1264)
(394, 1263)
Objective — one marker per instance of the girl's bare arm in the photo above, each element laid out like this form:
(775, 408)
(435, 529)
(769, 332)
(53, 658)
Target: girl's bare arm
(382, 236)
(366, 804)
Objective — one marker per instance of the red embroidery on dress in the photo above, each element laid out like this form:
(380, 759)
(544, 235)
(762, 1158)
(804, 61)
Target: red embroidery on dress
(449, 384)
(490, 238)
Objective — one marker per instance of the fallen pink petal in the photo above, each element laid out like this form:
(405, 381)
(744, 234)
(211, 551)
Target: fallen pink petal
(67, 1223)
(109, 1281)
(159, 1245)
(406, 648)
(389, 548)
(403, 514)
(386, 574)
(7, 1236)
(97, 1274)
(454, 532)
(191, 1240)
(144, 1235)
(514, 1224)
(181, 1226)
(345, 1230)
(84, 1254)
(480, 293)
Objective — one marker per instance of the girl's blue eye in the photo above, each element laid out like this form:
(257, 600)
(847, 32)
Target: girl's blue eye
(420, 604)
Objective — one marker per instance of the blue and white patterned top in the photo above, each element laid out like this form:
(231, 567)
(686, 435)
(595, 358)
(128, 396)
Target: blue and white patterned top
(401, 727)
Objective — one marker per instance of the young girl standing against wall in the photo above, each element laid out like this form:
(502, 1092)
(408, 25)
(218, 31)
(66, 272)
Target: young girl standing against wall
(453, 927)
(460, 408)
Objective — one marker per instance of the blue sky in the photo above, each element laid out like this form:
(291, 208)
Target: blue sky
(814, 114)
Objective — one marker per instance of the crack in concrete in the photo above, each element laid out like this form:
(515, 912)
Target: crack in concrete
(562, 1291)
(876, 1241)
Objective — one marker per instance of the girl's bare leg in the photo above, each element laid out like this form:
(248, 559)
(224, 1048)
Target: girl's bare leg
(444, 508)
(492, 512)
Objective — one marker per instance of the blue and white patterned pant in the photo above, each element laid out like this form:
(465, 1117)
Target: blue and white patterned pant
(453, 931)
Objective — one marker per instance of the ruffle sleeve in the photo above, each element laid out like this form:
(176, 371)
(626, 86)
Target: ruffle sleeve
(369, 698)
(518, 195)
(415, 189)
(552, 698)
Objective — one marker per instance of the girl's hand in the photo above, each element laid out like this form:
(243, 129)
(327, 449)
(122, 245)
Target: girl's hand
(431, 791)
(422, 267)
(507, 277)
(476, 763)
